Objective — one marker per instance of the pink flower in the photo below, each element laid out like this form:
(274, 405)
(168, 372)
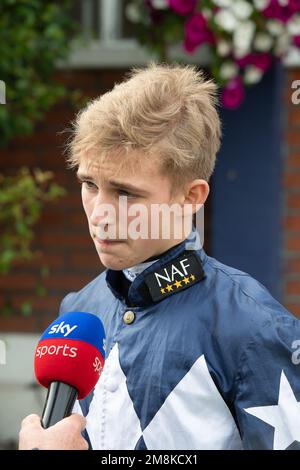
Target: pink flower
(285, 14)
(195, 26)
(233, 94)
(243, 61)
(196, 32)
(189, 46)
(296, 40)
(260, 60)
(272, 10)
(183, 7)
(281, 13)
(294, 5)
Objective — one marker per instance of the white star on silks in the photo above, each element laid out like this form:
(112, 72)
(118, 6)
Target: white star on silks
(284, 417)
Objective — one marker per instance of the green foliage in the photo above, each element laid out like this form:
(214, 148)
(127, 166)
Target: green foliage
(34, 35)
(22, 197)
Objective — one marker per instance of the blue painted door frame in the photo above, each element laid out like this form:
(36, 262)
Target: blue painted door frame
(247, 185)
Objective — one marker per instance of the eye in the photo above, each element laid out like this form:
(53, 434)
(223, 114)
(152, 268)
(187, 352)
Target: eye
(89, 185)
(123, 192)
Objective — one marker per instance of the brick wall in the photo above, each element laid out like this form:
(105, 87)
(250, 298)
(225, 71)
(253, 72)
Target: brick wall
(291, 199)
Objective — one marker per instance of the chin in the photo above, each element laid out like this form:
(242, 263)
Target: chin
(111, 262)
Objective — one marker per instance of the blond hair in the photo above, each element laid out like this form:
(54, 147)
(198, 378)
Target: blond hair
(163, 111)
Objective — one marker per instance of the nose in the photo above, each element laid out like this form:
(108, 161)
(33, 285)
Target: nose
(103, 213)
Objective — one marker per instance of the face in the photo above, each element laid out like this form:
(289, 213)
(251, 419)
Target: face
(114, 225)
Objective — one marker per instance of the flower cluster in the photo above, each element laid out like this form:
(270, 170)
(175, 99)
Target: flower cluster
(244, 37)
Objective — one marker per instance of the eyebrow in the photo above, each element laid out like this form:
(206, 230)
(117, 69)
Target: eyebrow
(114, 183)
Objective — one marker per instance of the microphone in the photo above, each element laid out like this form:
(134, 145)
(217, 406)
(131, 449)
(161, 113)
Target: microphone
(68, 360)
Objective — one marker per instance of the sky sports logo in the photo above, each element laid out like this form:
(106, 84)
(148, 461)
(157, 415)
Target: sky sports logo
(64, 328)
(66, 351)
(56, 350)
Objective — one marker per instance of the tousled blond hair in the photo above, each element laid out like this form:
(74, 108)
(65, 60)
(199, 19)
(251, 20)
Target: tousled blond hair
(163, 111)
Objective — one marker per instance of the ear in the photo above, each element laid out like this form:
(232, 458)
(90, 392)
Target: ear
(196, 193)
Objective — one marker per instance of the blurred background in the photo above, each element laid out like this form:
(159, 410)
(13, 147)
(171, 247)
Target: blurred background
(56, 56)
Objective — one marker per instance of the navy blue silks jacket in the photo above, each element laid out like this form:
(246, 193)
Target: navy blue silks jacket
(198, 356)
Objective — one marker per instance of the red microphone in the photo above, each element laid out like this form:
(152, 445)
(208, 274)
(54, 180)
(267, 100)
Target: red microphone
(69, 359)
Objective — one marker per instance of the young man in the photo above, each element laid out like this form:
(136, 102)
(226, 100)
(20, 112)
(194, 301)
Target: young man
(198, 354)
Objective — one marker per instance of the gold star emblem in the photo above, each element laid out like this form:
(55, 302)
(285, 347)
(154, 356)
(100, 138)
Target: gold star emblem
(192, 277)
(177, 284)
(186, 280)
(162, 290)
(169, 288)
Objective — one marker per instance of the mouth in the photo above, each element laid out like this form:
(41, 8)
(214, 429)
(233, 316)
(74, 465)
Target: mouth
(105, 242)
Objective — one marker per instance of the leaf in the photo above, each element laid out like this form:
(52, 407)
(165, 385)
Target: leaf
(41, 291)
(26, 308)
(22, 199)
(34, 35)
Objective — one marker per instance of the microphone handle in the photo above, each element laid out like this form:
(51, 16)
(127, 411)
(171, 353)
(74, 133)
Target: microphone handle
(59, 404)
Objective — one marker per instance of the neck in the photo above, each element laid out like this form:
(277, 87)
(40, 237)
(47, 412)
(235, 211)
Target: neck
(132, 272)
